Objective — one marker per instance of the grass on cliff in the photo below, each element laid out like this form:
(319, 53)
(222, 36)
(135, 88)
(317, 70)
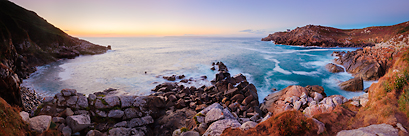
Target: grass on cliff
(389, 98)
(288, 123)
(11, 123)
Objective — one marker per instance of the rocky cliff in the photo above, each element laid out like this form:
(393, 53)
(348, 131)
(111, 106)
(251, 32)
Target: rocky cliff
(26, 41)
(312, 35)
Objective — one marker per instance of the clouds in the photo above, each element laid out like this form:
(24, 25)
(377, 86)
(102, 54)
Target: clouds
(255, 31)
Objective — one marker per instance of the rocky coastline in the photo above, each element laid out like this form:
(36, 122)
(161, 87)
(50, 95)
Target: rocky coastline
(227, 107)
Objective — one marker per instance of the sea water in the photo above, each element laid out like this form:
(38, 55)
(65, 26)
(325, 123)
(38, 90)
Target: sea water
(135, 65)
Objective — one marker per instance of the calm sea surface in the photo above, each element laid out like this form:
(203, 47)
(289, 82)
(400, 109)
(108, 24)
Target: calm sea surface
(265, 64)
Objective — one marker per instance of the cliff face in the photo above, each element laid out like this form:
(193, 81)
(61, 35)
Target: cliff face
(312, 35)
(26, 41)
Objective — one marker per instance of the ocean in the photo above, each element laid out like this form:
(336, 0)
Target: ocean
(135, 65)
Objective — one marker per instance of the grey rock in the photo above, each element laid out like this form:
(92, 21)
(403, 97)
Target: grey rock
(268, 115)
(120, 131)
(147, 120)
(116, 114)
(40, 123)
(48, 99)
(337, 100)
(60, 127)
(92, 97)
(363, 101)
(72, 100)
(228, 114)
(135, 122)
(400, 126)
(217, 128)
(317, 96)
(248, 125)
(111, 101)
(355, 103)
(202, 128)
(78, 122)
(58, 120)
(101, 113)
(66, 131)
(321, 126)
(372, 130)
(25, 116)
(68, 92)
(243, 120)
(69, 112)
(95, 133)
(82, 102)
(208, 108)
(81, 112)
(190, 133)
(131, 113)
(297, 105)
(121, 124)
(139, 102)
(127, 101)
(214, 115)
(255, 117)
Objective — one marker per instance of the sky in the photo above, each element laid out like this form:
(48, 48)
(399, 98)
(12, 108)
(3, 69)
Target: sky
(224, 18)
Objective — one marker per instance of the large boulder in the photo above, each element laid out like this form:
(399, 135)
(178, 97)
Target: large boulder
(334, 68)
(217, 128)
(274, 102)
(78, 122)
(40, 123)
(354, 84)
(372, 130)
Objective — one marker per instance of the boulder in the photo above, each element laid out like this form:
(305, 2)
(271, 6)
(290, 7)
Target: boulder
(66, 131)
(354, 84)
(95, 133)
(116, 114)
(334, 68)
(121, 131)
(121, 124)
(217, 128)
(58, 120)
(248, 125)
(82, 102)
(78, 122)
(126, 101)
(239, 77)
(40, 123)
(135, 122)
(274, 102)
(101, 113)
(25, 116)
(107, 102)
(131, 113)
(190, 133)
(68, 92)
(372, 130)
(214, 115)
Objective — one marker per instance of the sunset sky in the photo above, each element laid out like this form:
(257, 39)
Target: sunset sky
(229, 18)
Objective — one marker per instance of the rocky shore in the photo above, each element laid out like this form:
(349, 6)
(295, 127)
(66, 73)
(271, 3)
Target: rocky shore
(231, 102)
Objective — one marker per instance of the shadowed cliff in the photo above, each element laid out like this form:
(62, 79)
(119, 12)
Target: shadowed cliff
(26, 41)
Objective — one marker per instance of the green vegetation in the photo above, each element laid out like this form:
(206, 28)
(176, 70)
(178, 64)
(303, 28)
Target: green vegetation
(184, 129)
(404, 102)
(104, 102)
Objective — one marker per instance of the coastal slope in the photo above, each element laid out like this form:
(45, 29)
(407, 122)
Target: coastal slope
(323, 36)
(27, 40)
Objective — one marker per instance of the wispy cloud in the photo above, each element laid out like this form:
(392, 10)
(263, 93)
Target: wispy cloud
(254, 31)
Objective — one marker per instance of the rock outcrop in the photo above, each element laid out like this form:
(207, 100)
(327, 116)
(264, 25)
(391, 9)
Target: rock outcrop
(369, 63)
(312, 35)
(334, 68)
(28, 40)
